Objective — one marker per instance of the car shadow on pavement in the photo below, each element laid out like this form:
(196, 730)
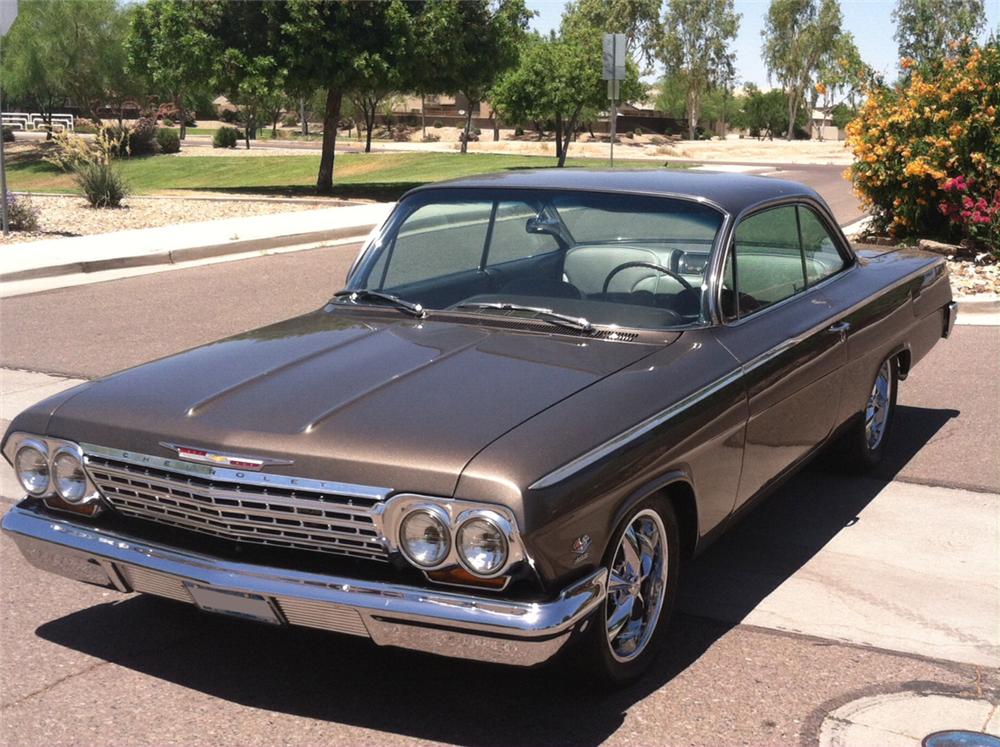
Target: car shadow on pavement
(346, 680)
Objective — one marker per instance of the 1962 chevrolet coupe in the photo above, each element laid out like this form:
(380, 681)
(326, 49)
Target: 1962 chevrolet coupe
(537, 397)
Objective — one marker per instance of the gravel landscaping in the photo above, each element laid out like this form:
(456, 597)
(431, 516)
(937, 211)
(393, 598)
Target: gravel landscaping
(69, 215)
(970, 278)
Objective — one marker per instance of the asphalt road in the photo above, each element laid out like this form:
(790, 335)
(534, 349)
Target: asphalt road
(82, 665)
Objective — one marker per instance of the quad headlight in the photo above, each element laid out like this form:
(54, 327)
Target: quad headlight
(68, 475)
(424, 536)
(451, 540)
(52, 469)
(482, 545)
(31, 463)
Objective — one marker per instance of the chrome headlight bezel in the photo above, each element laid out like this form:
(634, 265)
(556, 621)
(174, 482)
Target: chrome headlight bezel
(389, 517)
(437, 516)
(75, 453)
(52, 448)
(502, 527)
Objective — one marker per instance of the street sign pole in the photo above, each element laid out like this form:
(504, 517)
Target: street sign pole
(8, 12)
(614, 73)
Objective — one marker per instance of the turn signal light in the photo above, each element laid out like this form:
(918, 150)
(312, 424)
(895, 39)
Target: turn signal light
(459, 575)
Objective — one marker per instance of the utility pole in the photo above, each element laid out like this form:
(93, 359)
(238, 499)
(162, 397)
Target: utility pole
(8, 12)
(614, 74)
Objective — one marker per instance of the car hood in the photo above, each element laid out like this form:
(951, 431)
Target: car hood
(351, 396)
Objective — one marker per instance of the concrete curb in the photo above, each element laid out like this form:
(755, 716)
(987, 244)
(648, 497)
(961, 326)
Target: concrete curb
(187, 254)
(985, 304)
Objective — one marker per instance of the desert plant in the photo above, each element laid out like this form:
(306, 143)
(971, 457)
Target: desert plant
(92, 167)
(168, 141)
(168, 122)
(637, 131)
(927, 155)
(225, 137)
(290, 119)
(430, 137)
(438, 124)
(21, 214)
(8, 134)
(519, 131)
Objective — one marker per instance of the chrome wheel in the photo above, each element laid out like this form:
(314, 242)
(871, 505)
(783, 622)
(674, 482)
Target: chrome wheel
(636, 585)
(877, 411)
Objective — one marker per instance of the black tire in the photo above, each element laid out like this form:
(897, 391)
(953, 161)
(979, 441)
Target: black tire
(602, 668)
(858, 453)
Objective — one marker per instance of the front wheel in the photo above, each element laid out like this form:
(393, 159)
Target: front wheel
(643, 563)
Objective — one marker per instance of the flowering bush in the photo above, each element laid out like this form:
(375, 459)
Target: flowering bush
(21, 214)
(927, 152)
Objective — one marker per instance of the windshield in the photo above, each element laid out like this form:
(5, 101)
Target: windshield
(571, 258)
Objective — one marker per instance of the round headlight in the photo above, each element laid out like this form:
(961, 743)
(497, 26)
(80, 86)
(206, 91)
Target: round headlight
(424, 538)
(482, 546)
(70, 479)
(32, 467)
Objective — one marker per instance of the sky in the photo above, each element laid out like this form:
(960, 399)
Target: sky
(869, 20)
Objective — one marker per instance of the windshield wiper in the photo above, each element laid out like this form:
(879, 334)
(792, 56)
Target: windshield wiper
(363, 294)
(553, 317)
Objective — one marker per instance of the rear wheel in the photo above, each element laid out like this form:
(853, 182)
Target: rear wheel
(865, 442)
(643, 563)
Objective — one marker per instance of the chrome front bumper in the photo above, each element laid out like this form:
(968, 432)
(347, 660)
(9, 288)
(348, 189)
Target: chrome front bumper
(460, 625)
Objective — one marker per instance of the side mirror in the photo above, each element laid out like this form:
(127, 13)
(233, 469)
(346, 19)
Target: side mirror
(542, 224)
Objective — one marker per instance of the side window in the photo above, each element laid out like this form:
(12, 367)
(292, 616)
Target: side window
(768, 266)
(821, 255)
(729, 310)
(510, 241)
(435, 238)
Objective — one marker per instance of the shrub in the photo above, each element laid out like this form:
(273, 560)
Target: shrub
(92, 166)
(168, 122)
(290, 119)
(637, 131)
(400, 133)
(475, 130)
(225, 137)
(518, 131)
(169, 141)
(8, 134)
(21, 214)
(927, 156)
(438, 124)
(430, 137)
(229, 116)
(142, 137)
(102, 184)
(84, 127)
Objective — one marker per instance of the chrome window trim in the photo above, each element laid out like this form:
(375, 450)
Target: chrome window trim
(226, 474)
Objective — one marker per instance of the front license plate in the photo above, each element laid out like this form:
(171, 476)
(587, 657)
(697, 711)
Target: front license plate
(235, 603)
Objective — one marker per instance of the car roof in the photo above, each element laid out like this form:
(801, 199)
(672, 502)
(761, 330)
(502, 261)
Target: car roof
(732, 192)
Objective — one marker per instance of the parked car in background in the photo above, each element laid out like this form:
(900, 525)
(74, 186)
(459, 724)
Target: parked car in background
(537, 397)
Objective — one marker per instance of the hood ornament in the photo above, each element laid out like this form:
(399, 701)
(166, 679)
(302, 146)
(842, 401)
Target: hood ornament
(222, 458)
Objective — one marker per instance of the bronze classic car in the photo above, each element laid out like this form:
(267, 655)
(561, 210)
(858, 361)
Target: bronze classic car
(537, 397)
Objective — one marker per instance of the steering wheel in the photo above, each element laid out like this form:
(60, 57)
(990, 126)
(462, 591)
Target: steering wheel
(648, 265)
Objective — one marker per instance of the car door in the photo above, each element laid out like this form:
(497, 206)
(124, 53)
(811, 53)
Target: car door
(778, 325)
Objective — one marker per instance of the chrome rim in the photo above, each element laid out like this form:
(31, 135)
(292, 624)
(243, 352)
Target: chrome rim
(877, 411)
(636, 585)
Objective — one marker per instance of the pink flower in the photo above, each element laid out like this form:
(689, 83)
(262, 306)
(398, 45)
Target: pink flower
(967, 202)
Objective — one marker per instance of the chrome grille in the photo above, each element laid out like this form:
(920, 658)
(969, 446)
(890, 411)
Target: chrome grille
(288, 517)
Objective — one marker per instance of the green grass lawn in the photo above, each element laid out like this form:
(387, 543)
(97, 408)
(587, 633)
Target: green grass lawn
(373, 175)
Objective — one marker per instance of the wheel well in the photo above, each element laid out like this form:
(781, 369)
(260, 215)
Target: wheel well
(681, 496)
(903, 364)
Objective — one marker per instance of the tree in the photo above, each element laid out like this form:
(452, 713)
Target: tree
(171, 46)
(797, 35)
(559, 80)
(764, 114)
(70, 49)
(925, 28)
(329, 46)
(639, 20)
(695, 46)
(470, 44)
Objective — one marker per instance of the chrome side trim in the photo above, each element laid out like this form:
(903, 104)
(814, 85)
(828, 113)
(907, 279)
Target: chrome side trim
(441, 622)
(239, 476)
(636, 431)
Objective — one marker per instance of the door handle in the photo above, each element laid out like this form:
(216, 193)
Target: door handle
(840, 328)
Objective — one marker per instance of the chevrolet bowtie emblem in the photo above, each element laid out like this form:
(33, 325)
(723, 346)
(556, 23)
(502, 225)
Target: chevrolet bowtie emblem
(222, 459)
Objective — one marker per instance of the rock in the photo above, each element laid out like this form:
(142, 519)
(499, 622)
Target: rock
(939, 247)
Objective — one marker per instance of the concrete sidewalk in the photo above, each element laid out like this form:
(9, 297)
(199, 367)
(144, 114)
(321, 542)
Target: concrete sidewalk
(187, 241)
